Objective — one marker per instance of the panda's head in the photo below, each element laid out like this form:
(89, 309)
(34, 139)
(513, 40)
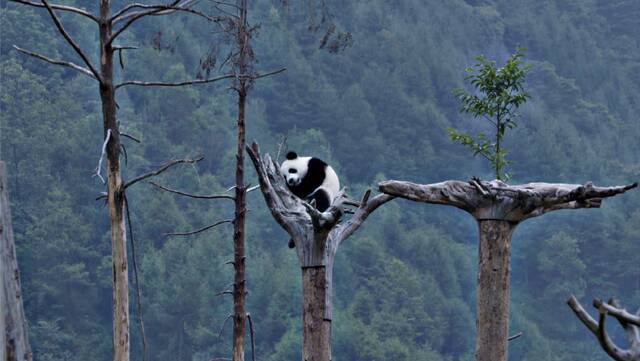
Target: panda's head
(294, 169)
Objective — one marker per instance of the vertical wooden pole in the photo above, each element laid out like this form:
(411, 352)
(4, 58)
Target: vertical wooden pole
(316, 327)
(15, 340)
(492, 307)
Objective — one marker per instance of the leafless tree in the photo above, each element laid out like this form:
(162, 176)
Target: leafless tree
(630, 323)
(110, 25)
(13, 323)
(498, 209)
(317, 237)
(233, 18)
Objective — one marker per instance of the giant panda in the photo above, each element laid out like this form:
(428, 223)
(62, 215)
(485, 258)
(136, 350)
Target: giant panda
(310, 179)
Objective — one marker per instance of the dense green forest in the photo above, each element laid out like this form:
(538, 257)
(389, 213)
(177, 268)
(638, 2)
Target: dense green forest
(379, 109)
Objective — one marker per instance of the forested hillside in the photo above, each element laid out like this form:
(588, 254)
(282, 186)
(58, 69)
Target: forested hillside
(379, 109)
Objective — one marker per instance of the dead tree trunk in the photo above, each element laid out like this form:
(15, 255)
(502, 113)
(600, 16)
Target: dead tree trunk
(498, 208)
(239, 289)
(317, 237)
(110, 27)
(492, 303)
(316, 327)
(629, 322)
(13, 323)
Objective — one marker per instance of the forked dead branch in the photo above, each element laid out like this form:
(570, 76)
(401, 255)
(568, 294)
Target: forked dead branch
(317, 236)
(629, 322)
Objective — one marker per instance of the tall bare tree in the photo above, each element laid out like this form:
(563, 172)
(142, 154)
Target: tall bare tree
(233, 18)
(13, 323)
(499, 208)
(110, 25)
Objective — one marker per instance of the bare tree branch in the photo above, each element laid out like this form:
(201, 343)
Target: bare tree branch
(68, 64)
(224, 323)
(158, 10)
(253, 341)
(621, 314)
(582, 315)
(154, 10)
(498, 200)
(70, 40)
(516, 336)
(162, 168)
(104, 150)
(199, 230)
(59, 7)
(605, 341)
(176, 84)
(191, 195)
(130, 137)
(196, 81)
(264, 75)
(367, 207)
(599, 330)
(130, 7)
(134, 259)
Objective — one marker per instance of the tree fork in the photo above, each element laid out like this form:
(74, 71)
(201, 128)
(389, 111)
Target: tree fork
(317, 237)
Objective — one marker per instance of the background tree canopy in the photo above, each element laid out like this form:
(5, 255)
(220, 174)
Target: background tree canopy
(377, 110)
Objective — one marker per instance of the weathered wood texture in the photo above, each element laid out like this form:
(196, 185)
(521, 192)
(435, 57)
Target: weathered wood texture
(317, 237)
(15, 340)
(316, 328)
(498, 208)
(498, 200)
(629, 322)
(492, 303)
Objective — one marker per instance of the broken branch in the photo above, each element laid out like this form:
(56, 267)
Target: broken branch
(104, 150)
(253, 341)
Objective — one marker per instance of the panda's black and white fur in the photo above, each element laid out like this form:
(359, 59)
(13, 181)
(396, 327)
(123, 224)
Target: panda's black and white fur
(311, 179)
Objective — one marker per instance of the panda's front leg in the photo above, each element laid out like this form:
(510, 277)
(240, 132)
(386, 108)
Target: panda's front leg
(322, 201)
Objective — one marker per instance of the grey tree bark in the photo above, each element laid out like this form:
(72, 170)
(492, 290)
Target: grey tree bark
(498, 209)
(13, 323)
(317, 237)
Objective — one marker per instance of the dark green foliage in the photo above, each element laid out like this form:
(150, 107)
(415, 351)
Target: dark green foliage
(405, 283)
(498, 93)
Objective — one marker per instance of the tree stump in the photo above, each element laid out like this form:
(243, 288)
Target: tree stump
(498, 209)
(316, 236)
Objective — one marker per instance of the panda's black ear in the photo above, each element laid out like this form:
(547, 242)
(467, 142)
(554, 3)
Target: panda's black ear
(292, 155)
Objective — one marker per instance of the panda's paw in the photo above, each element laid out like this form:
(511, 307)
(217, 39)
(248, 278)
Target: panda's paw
(292, 244)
